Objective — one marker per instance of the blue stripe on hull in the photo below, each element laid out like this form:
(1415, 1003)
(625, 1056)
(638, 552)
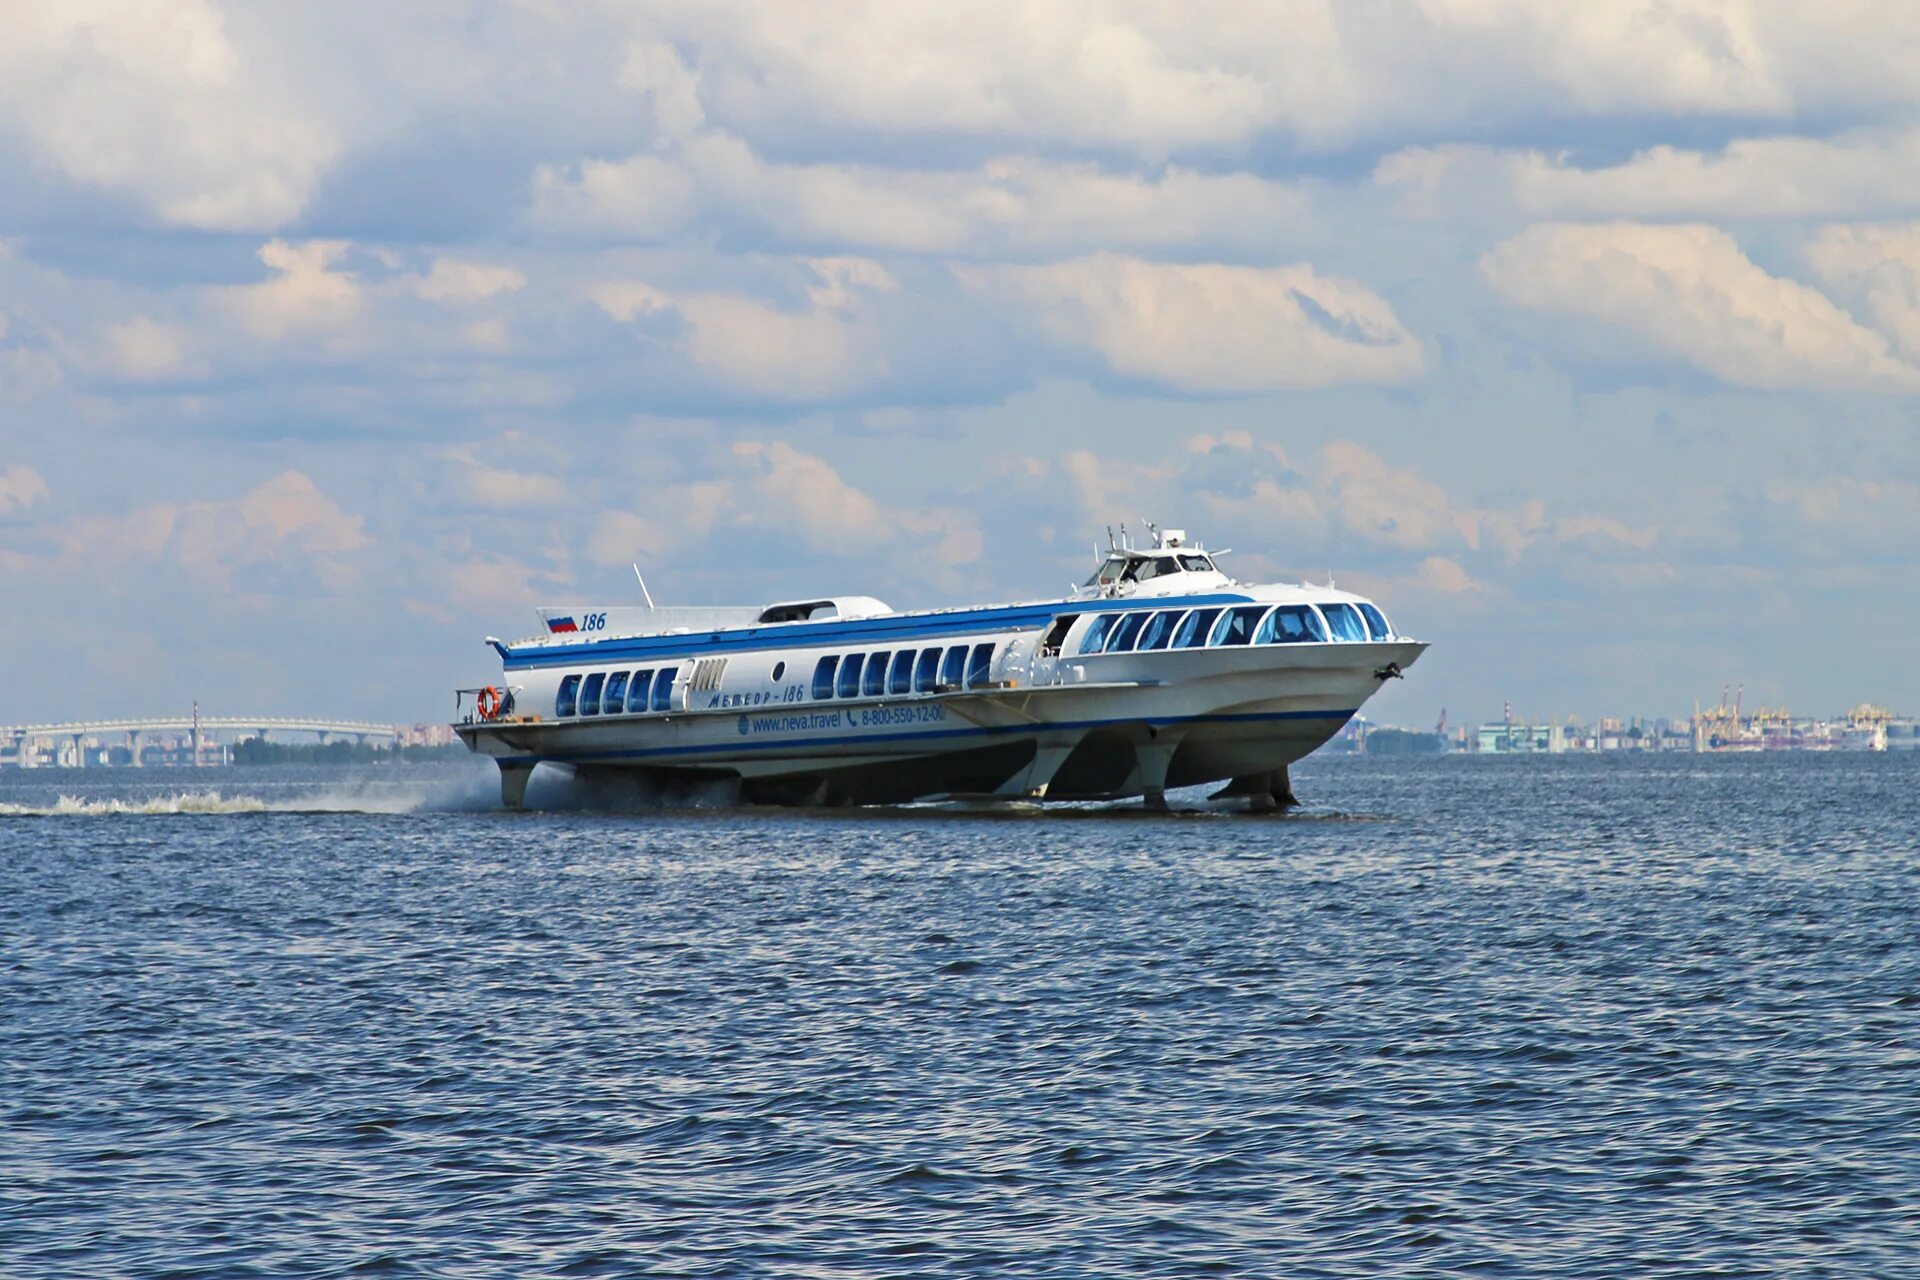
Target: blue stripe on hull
(855, 631)
(928, 736)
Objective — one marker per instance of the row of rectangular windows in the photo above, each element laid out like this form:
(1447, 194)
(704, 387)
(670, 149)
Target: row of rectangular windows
(603, 694)
(1141, 630)
(869, 675)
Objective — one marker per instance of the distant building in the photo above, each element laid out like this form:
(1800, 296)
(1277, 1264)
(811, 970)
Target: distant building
(425, 735)
(1520, 739)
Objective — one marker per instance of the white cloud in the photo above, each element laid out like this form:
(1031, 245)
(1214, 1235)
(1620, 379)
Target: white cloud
(1688, 292)
(285, 523)
(786, 486)
(1015, 204)
(304, 294)
(1881, 266)
(21, 488)
(1211, 328)
(1862, 172)
(1343, 495)
(143, 348)
(158, 102)
(1156, 79)
(457, 282)
(746, 344)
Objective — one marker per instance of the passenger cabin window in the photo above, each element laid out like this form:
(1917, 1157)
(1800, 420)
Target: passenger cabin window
(1344, 621)
(1122, 638)
(1290, 624)
(953, 668)
(1159, 630)
(616, 695)
(569, 696)
(980, 666)
(590, 694)
(1196, 564)
(874, 682)
(823, 677)
(926, 670)
(849, 682)
(637, 692)
(1236, 625)
(1376, 622)
(900, 679)
(1096, 636)
(1193, 629)
(663, 688)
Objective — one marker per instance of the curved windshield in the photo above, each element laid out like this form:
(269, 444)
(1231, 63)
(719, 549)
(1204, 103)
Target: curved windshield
(1193, 629)
(1196, 564)
(1108, 572)
(1344, 621)
(1236, 625)
(1159, 630)
(1376, 622)
(1096, 635)
(1290, 624)
(1126, 633)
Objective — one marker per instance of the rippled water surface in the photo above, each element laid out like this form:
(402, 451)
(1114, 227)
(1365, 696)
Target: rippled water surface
(1569, 1018)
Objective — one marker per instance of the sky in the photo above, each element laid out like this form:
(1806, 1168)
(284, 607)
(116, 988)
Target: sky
(336, 337)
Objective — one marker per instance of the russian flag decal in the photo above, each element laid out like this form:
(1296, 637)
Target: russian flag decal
(555, 625)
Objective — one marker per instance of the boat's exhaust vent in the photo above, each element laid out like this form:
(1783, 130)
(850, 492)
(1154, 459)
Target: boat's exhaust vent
(706, 675)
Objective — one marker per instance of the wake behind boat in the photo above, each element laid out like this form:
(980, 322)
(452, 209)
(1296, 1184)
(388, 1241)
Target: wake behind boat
(1160, 671)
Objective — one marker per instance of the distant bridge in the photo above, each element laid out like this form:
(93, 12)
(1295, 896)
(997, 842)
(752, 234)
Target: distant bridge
(206, 724)
(25, 745)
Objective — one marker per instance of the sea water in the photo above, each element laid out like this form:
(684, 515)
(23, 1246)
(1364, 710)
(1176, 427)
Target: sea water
(1553, 1017)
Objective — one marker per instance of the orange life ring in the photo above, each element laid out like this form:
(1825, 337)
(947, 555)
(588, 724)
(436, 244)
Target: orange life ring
(488, 703)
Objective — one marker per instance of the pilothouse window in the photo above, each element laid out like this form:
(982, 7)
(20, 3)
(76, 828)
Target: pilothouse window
(1196, 564)
(1376, 622)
